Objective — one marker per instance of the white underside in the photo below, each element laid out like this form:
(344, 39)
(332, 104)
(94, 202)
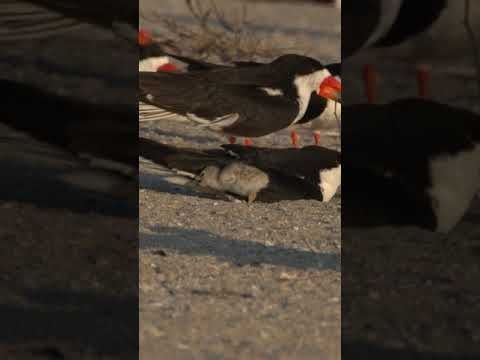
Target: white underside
(330, 180)
(455, 182)
(306, 84)
(152, 64)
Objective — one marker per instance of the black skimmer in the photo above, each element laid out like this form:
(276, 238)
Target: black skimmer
(418, 158)
(152, 58)
(378, 23)
(268, 175)
(27, 19)
(103, 136)
(249, 101)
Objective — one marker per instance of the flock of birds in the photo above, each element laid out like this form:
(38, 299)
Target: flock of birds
(415, 160)
(419, 160)
(246, 99)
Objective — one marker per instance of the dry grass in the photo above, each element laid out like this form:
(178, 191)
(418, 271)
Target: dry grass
(214, 35)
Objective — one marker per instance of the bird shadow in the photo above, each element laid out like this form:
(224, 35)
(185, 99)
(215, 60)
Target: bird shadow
(197, 242)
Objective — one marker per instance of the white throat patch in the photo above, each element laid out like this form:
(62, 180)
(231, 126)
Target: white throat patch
(455, 180)
(306, 84)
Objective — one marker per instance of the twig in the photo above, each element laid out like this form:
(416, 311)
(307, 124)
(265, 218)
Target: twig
(473, 41)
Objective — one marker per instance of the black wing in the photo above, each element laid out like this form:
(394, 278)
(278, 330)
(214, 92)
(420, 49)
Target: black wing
(42, 18)
(258, 113)
(280, 187)
(305, 162)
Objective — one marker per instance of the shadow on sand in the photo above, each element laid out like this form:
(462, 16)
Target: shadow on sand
(238, 252)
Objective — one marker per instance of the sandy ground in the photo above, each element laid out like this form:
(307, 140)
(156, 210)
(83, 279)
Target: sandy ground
(223, 280)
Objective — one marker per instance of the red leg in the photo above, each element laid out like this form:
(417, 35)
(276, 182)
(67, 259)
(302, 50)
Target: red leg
(423, 80)
(294, 138)
(370, 81)
(247, 142)
(316, 137)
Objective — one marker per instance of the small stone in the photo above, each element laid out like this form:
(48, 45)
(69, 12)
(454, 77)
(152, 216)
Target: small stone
(287, 276)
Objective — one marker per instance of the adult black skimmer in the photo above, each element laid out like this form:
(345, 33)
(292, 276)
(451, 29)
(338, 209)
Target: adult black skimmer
(378, 23)
(326, 112)
(27, 19)
(418, 158)
(102, 135)
(264, 174)
(249, 101)
(153, 58)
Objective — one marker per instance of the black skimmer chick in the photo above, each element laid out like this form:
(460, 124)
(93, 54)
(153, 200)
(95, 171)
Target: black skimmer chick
(250, 101)
(316, 165)
(312, 172)
(236, 178)
(421, 158)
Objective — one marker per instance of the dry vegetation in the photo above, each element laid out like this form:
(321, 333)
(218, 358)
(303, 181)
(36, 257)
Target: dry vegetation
(215, 34)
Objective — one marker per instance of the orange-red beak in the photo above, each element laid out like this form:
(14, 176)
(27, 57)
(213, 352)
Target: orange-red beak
(168, 67)
(144, 38)
(331, 88)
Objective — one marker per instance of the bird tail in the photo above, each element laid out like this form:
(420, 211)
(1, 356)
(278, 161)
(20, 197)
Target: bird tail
(147, 112)
(24, 20)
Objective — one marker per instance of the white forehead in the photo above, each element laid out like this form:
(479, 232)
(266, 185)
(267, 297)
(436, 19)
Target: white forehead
(152, 63)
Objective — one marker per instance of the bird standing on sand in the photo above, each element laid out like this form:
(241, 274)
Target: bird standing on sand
(236, 178)
(323, 113)
(249, 101)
